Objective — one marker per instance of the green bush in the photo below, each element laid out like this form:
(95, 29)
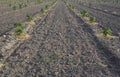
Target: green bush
(107, 31)
(14, 7)
(42, 10)
(71, 6)
(20, 6)
(84, 13)
(92, 19)
(19, 28)
(46, 7)
(19, 31)
(29, 17)
(19, 25)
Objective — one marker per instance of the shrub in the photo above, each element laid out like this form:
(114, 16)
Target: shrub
(20, 6)
(71, 6)
(92, 19)
(42, 11)
(25, 5)
(90, 4)
(107, 31)
(19, 25)
(84, 13)
(19, 28)
(46, 7)
(29, 17)
(14, 7)
(19, 31)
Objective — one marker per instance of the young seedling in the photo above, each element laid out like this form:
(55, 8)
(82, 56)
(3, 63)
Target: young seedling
(20, 6)
(42, 11)
(14, 7)
(92, 19)
(19, 28)
(25, 5)
(10, 5)
(84, 13)
(71, 6)
(107, 31)
(19, 32)
(19, 25)
(46, 7)
(90, 4)
(29, 17)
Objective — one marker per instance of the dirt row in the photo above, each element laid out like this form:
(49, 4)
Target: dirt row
(9, 6)
(106, 20)
(62, 46)
(107, 7)
(111, 5)
(112, 11)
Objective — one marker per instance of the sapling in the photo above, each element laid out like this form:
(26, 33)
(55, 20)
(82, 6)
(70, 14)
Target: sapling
(71, 6)
(19, 31)
(19, 28)
(19, 25)
(84, 13)
(20, 6)
(107, 31)
(42, 10)
(14, 7)
(92, 19)
(29, 17)
(46, 7)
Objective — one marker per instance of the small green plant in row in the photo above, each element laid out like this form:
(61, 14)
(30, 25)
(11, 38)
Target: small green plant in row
(46, 7)
(20, 6)
(39, 1)
(19, 28)
(29, 17)
(71, 6)
(84, 13)
(92, 19)
(107, 31)
(14, 7)
(42, 10)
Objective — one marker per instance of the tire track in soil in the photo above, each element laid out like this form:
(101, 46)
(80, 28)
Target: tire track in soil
(59, 35)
